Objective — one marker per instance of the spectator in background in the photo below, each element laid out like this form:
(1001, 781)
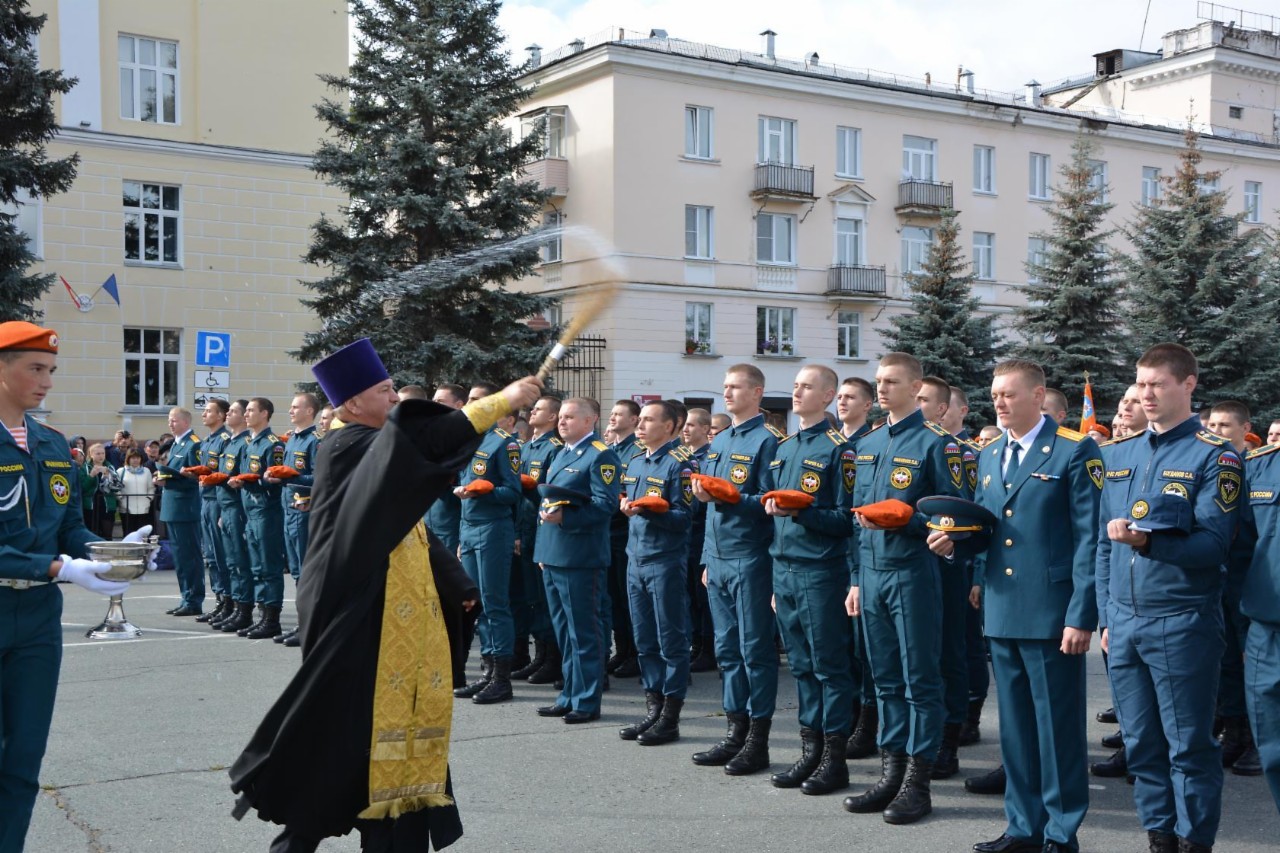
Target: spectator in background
(162, 458)
(136, 493)
(118, 448)
(98, 487)
(79, 442)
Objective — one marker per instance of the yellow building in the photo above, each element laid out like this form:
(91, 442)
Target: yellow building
(194, 123)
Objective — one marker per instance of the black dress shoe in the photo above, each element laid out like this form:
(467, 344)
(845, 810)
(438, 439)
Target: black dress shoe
(186, 611)
(990, 783)
(1008, 844)
(581, 717)
(1114, 741)
(1113, 768)
(553, 710)
(1108, 716)
(172, 610)
(1056, 847)
(280, 638)
(293, 641)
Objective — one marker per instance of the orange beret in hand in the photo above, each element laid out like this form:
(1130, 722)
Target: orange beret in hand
(217, 478)
(653, 503)
(281, 472)
(246, 478)
(891, 513)
(719, 488)
(200, 470)
(527, 482)
(478, 487)
(789, 498)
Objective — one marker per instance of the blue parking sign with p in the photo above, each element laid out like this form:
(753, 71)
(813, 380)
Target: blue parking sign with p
(213, 349)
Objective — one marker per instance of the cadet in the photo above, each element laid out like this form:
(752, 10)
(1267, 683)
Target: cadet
(41, 519)
(702, 653)
(232, 526)
(739, 576)
(1159, 602)
(180, 512)
(657, 491)
(615, 609)
(535, 460)
(896, 590)
(1042, 483)
(214, 418)
(490, 487)
(295, 496)
(264, 517)
(580, 496)
(810, 575)
(445, 515)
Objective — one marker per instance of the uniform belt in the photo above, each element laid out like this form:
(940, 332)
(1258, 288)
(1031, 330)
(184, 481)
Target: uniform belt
(21, 584)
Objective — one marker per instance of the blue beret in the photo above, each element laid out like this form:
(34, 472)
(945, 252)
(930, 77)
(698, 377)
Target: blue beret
(1155, 511)
(352, 369)
(966, 523)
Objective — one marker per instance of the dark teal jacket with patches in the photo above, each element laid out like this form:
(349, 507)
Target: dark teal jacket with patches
(819, 462)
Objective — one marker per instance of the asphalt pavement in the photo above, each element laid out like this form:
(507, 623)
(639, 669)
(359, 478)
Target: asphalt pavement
(145, 729)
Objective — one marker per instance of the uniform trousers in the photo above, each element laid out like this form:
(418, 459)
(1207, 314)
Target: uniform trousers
(815, 630)
(265, 544)
(573, 596)
(1262, 683)
(975, 647)
(486, 556)
(236, 552)
(296, 530)
(739, 593)
(215, 560)
(659, 599)
(954, 660)
(528, 596)
(184, 538)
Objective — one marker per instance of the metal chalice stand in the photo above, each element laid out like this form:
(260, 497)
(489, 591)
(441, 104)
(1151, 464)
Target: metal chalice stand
(129, 561)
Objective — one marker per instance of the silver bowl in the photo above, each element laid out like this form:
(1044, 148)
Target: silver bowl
(128, 559)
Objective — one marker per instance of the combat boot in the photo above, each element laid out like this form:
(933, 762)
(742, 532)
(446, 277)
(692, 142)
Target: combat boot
(969, 734)
(486, 673)
(549, 670)
(268, 627)
(1161, 842)
(1235, 739)
(862, 743)
(653, 709)
(667, 728)
(947, 763)
(1187, 846)
(520, 659)
(913, 801)
(734, 739)
(893, 767)
(262, 614)
(810, 757)
(832, 774)
(224, 608)
(1249, 764)
(754, 755)
(535, 663)
(499, 687)
(241, 619)
(705, 659)
(222, 617)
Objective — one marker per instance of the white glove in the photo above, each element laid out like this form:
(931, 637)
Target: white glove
(140, 535)
(85, 573)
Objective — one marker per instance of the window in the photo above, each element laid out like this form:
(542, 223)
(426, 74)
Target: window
(552, 248)
(152, 362)
(777, 141)
(1037, 254)
(848, 334)
(1252, 201)
(775, 331)
(1235, 112)
(152, 216)
(919, 156)
(697, 327)
(850, 248)
(984, 169)
(1038, 188)
(697, 132)
(553, 315)
(697, 232)
(148, 79)
(27, 218)
(1150, 186)
(1098, 179)
(915, 247)
(848, 152)
(984, 255)
(548, 123)
(775, 239)
(1209, 183)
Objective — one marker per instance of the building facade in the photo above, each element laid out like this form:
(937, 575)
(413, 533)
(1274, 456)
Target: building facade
(194, 123)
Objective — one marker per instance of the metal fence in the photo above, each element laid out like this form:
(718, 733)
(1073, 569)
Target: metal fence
(581, 372)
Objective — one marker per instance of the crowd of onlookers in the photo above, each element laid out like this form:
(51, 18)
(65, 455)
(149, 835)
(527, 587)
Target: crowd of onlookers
(117, 482)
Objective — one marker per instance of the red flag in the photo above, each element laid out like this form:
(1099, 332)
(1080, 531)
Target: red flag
(1089, 419)
(75, 297)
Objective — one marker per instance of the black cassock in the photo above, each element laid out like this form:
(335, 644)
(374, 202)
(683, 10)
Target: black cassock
(307, 765)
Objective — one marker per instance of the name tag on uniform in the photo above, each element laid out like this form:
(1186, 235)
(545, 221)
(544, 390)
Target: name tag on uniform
(1120, 474)
(1189, 476)
(741, 457)
(656, 481)
(866, 458)
(814, 464)
(54, 464)
(903, 460)
(777, 463)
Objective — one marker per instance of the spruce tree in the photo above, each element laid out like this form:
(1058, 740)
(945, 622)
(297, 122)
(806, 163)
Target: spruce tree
(1071, 323)
(945, 328)
(433, 176)
(27, 123)
(1196, 279)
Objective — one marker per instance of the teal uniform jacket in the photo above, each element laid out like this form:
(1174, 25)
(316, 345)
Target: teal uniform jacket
(535, 461)
(819, 462)
(182, 494)
(581, 539)
(211, 457)
(1259, 559)
(258, 454)
(741, 454)
(660, 537)
(497, 460)
(228, 497)
(40, 514)
(300, 455)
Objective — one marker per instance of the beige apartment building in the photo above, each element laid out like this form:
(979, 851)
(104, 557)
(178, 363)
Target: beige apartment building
(194, 123)
(758, 209)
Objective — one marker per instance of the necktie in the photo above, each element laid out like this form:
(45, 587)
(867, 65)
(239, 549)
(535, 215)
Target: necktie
(1011, 470)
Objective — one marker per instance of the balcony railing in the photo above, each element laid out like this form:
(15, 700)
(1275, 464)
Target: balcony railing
(550, 173)
(776, 179)
(924, 196)
(851, 280)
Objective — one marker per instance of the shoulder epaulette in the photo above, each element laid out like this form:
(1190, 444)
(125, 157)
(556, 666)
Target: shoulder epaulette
(555, 442)
(938, 430)
(970, 443)
(1209, 438)
(680, 454)
(272, 437)
(836, 438)
(1123, 438)
(1070, 434)
(502, 432)
(783, 438)
(195, 438)
(599, 445)
(1265, 450)
(777, 433)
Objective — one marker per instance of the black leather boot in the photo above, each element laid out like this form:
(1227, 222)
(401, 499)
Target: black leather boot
(734, 738)
(1250, 763)
(810, 756)
(832, 773)
(892, 768)
(1161, 842)
(486, 673)
(652, 710)
(1187, 846)
(947, 764)
(913, 801)
(221, 619)
(549, 670)
(241, 619)
(262, 614)
(988, 783)
(535, 663)
(969, 734)
(705, 659)
(1235, 739)
(754, 755)
(629, 667)
(1113, 768)
(520, 659)
(225, 606)
(499, 687)
(667, 728)
(268, 626)
(862, 743)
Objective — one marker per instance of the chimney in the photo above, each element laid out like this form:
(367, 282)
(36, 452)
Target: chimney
(658, 34)
(811, 60)
(535, 55)
(966, 75)
(1033, 93)
(577, 45)
(769, 36)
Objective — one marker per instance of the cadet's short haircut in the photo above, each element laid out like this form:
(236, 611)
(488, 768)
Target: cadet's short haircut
(1175, 358)
(413, 392)
(585, 403)
(1234, 409)
(940, 385)
(243, 404)
(458, 393)
(264, 404)
(221, 405)
(959, 399)
(487, 388)
(1056, 400)
(722, 419)
(552, 401)
(670, 414)
(861, 384)
(905, 360)
(309, 400)
(632, 407)
(181, 412)
(699, 417)
(682, 413)
(1029, 369)
(829, 377)
(749, 372)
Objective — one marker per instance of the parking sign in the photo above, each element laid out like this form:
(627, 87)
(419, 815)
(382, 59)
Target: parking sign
(213, 349)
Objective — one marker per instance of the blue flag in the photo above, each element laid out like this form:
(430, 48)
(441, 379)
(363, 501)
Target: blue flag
(110, 287)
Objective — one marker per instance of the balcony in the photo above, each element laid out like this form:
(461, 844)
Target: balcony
(550, 173)
(783, 183)
(848, 281)
(923, 198)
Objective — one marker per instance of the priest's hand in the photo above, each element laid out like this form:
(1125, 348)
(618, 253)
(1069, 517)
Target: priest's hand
(522, 392)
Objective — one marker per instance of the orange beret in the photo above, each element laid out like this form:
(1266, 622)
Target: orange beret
(217, 478)
(246, 478)
(527, 482)
(1099, 428)
(281, 472)
(653, 503)
(201, 470)
(478, 487)
(1253, 437)
(20, 336)
(789, 498)
(719, 488)
(891, 513)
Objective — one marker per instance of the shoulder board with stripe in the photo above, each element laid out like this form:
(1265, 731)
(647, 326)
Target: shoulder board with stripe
(272, 437)
(555, 442)
(971, 444)
(938, 430)
(777, 433)
(502, 432)
(1122, 439)
(599, 445)
(195, 438)
(836, 438)
(679, 454)
(1265, 450)
(1209, 438)
(782, 438)
(1070, 434)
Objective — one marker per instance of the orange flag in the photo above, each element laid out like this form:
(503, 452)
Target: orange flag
(1089, 419)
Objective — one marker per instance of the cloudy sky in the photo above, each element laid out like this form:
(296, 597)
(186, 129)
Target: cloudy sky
(1005, 42)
